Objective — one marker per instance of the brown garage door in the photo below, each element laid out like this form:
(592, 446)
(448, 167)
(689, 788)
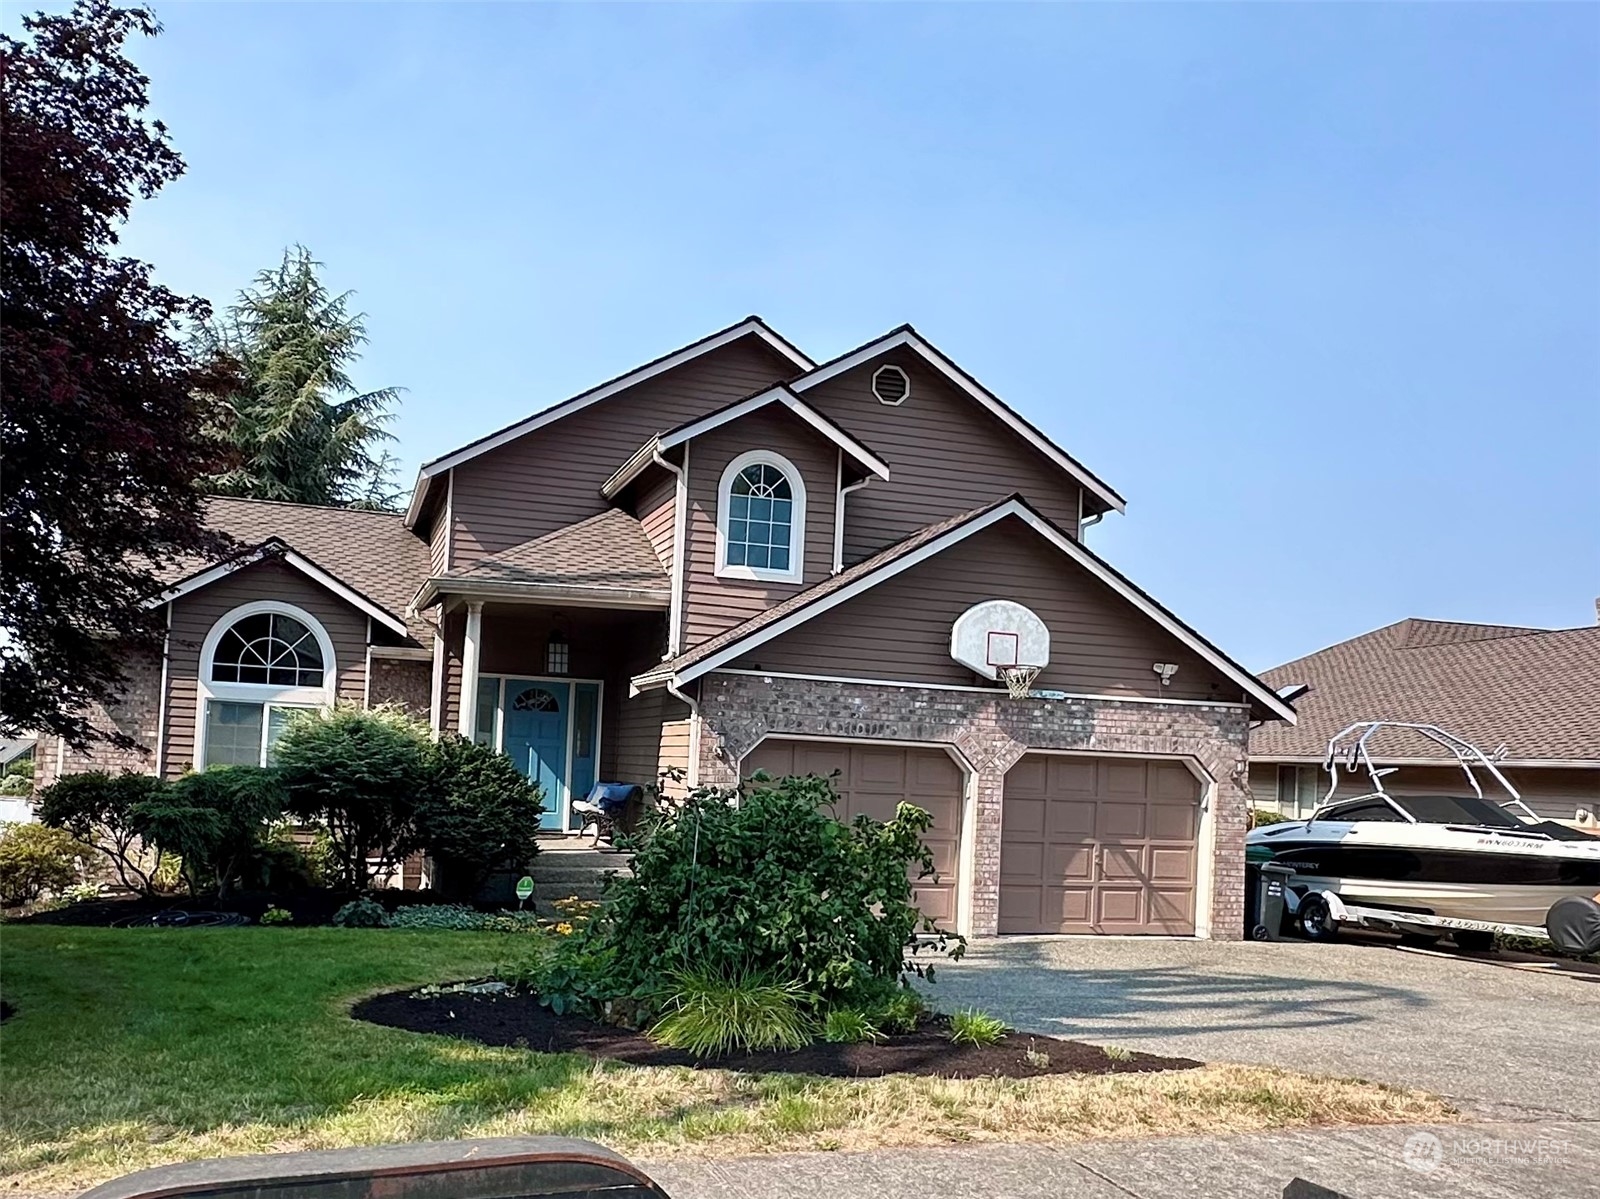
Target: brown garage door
(873, 779)
(1098, 845)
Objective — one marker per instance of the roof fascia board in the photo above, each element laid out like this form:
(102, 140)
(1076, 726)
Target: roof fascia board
(594, 395)
(275, 547)
(779, 395)
(1260, 691)
(1517, 763)
(910, 339)
(636, 465)
(437, 589)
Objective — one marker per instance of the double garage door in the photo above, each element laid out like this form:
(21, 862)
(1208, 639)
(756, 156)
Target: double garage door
(1098, 845)
(1088, 845)
(873, 780)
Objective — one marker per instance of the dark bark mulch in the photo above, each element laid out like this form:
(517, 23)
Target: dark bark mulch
(309, 908)
(520, 1022)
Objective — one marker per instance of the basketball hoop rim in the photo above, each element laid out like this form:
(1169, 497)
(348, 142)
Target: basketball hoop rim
(1018, 679)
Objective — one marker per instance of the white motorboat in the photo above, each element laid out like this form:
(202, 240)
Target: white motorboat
(1463, 857)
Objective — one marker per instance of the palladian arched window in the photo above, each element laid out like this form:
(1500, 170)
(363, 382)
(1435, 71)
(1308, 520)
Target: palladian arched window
(761, 506)
(259, 664)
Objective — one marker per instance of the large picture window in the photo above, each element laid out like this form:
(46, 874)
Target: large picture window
(259, 664)
(761, 519)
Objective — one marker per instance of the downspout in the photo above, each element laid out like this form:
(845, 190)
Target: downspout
(680, 532)
(1087, 522)
(694, 731)
(838, 517)
(161, 701)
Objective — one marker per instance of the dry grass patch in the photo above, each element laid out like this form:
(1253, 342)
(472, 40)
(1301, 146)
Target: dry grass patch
(133, 1049)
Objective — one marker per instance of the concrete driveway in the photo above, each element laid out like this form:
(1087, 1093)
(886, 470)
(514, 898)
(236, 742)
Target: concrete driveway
(1502, 1044)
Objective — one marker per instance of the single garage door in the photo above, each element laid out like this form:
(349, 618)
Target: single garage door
(1098, 845)
(873, 780)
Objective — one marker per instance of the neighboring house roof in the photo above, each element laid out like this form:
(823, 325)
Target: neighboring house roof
(370, 553)
(906, 336)
(1535, 691)
(751, 326)
(641, 459)
(606, 557)
(12, 748)
(925, 543)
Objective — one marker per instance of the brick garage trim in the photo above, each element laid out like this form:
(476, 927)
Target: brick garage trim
(993, 732)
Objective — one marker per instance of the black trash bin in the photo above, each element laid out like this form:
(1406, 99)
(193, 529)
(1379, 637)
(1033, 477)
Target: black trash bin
(1264, 901)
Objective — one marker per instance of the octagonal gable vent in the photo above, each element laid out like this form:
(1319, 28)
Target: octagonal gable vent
(891, 385)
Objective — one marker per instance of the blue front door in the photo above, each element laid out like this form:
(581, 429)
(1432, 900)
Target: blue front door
(536, 738)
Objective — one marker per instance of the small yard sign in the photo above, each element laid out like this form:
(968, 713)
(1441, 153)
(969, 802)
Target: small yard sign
(524, 888)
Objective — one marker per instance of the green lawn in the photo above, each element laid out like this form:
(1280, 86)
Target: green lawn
(132, 1048)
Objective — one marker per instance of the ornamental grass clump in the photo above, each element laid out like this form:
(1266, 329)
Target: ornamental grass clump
(969, 1026)
(712, 1014)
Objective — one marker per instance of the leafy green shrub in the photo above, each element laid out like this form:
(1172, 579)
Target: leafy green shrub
(1260, 817)
(764, 882)
(359, 773)
(847, 1026)
(98, 809)
(457, 917)
(214, 821)
(277, 916)
(34, 859)
(711, 1013)
(362, 913)
(571, 974)
(17, 778)
(81, 892)
(901, 1011)
(1117, 1053)
(969, 1026)
(480, 813)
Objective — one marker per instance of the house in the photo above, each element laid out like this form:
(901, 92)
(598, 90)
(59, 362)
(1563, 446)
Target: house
(1535, 693)
(735, 558)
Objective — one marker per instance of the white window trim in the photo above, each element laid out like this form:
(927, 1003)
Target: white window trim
(797, 525)
(265, 694)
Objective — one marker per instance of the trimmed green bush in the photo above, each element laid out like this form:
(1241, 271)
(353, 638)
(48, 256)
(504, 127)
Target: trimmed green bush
(711, 1014)
(358, 773)
(98, 809)
(214, 821)
(361, 913)
(277, 916)
(34, 859)
(763, 882)
(969, 1026)
(455, 917)
(1260, 817)
(479, 814)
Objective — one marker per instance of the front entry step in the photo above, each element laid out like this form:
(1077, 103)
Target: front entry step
(562, 871)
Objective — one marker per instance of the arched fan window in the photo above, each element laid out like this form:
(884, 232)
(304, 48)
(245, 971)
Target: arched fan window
(761, 519)
(536, 699)
(271, 648)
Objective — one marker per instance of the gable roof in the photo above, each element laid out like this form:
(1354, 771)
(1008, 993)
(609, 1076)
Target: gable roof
(604, 557)
(907, 337)
(781, 395)
(370, 553)
(926, 543)
(1535, 691)
(275, 547)
(751, 326)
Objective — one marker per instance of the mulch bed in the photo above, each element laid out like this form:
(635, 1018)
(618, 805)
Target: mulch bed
(309, 908)
(518, 1021)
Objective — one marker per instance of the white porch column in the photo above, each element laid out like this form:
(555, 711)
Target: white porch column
(469, 671)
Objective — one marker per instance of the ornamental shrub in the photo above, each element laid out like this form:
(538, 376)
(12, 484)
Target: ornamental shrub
(458, 917)
(362, 913)
(34, 859)
(359, 773)
(480, 814)
(277, 916)
(97, 809)
(763, 881)
(711, 1014)
(215, 821)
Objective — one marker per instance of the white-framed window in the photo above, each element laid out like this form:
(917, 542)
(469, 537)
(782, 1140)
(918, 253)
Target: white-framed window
(1298, 791)
(259, 663)
(761, 519)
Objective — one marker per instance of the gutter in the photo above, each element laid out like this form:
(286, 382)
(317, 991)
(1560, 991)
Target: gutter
(680, 533)
(161, 704)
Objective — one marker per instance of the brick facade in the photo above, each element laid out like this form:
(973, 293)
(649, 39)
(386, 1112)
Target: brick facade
(404, 681)
(135, 715)
(993, 732)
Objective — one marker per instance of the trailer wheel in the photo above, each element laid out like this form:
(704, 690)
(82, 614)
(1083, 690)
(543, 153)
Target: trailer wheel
(1315, 919)
(1473, 940)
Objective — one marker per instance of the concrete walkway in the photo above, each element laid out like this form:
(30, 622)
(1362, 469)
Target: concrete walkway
(1484, 1161)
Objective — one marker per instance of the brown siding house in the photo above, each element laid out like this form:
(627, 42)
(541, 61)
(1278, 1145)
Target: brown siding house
(881, 577)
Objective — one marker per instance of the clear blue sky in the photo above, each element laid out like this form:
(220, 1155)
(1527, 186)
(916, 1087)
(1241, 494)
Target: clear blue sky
(1316, 287)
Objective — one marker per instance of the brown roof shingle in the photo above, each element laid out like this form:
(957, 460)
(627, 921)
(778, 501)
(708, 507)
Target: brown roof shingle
(607, 552)
(1535, 691)
(371, 552)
